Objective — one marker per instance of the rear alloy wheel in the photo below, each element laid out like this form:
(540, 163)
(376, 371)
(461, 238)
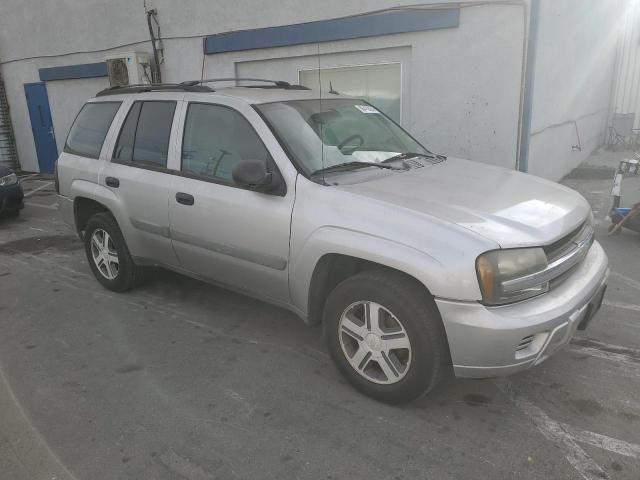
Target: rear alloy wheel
(385, 335)
(104, 254)
(108, 254)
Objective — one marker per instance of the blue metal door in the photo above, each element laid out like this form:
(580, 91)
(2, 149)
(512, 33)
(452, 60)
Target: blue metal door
(41, 125)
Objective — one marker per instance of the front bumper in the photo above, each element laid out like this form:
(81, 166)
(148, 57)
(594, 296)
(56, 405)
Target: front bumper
(495, 341)
(11, 198)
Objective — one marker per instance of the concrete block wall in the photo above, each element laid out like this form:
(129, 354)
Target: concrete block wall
(454, 99)
(574, 75)
(461, 86)
(626, 96)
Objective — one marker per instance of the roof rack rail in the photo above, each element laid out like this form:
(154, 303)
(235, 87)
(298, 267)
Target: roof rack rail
(276, 83)
(152, 87)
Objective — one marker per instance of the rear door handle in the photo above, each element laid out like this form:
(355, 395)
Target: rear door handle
(184, 198)
(112, 182)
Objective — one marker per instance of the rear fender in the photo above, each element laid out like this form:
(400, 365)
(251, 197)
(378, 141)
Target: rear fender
(104, 196)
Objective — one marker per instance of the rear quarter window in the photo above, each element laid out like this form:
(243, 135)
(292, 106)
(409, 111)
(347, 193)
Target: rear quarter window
(90, 128)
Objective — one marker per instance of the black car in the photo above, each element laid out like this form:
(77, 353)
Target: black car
(11, 194)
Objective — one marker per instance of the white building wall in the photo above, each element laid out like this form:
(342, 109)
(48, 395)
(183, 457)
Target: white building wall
(626, 96)
(575, 64)
(65, 99)
(454, 99)
(461, 86)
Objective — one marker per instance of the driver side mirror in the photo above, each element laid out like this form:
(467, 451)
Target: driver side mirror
(252, 174)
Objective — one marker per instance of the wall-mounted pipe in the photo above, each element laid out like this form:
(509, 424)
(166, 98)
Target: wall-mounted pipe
(522, 163)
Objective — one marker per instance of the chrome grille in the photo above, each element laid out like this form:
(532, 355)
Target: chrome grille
(561, 278)
(562, 257)
(563, 250)
(566, 243)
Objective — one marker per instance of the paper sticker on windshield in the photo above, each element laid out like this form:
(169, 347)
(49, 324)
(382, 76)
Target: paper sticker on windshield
(366, 109)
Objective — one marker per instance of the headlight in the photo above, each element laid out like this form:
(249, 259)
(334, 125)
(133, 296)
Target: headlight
(508, 276)
(8, 180)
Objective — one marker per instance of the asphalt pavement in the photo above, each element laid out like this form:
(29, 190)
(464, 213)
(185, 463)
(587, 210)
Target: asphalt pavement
(182, 380)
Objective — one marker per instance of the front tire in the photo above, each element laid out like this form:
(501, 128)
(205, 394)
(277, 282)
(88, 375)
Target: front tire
(385, 335)
(108, 254)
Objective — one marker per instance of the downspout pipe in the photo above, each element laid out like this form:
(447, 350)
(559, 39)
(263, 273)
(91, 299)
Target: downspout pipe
(529, 84)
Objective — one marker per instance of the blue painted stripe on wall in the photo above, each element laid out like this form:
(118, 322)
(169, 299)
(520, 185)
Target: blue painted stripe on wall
(413, 20)
(68, 72)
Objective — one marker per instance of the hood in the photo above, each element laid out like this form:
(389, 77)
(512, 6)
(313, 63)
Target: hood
(510, 208)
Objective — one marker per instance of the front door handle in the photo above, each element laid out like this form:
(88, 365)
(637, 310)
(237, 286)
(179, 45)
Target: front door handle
(184, 198)
(112, 182)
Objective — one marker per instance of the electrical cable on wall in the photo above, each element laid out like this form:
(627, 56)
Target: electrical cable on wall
(156, 43)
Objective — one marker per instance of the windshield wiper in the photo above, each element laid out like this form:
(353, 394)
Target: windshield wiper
(352, 165)
(408, 155)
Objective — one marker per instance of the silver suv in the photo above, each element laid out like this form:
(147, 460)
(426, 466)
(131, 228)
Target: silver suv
(415, 264)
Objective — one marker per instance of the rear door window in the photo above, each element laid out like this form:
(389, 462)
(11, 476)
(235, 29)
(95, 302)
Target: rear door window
(144, 137)
(124, 149)
(90, 128)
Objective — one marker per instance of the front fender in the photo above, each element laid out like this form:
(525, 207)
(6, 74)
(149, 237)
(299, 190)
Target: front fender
(418, 264)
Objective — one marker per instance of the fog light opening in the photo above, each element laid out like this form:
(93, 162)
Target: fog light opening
(530, 345)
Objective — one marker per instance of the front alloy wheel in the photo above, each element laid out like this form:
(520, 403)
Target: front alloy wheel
(385, 335)
(375, 343)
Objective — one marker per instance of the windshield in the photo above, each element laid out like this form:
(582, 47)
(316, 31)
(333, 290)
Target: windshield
(325, 133)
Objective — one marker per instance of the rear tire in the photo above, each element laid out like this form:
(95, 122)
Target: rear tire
(108, 254)
(406, 356)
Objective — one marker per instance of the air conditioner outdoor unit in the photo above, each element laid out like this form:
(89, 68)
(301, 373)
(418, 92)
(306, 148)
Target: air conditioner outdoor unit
(128, 68)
